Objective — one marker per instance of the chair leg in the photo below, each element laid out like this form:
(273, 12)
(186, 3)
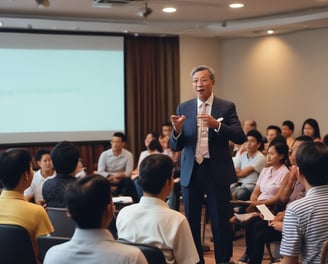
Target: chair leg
(267, 246)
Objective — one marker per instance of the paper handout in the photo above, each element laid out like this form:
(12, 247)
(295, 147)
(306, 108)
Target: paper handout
(265, 212)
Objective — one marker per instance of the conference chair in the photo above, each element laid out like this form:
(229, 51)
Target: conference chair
(63, 225)
(46, 242)
(16, 245)
(151, 253)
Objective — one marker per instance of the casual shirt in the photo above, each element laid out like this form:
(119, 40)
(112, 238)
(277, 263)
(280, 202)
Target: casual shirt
(109, 164)
(14, 210)
(93, 246)
(257, 161)
(305, 227)
(152, 222)
(270, 181)
(53, 190)
(36, 185)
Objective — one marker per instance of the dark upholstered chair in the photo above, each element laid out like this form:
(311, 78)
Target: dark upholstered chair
(16, 245)
(46, 242)
(151, 253)
(64, 226)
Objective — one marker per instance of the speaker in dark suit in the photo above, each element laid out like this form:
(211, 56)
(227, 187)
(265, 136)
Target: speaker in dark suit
(211, 172)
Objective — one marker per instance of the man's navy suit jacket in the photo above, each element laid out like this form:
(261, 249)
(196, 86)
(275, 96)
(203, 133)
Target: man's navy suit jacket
(221, 166)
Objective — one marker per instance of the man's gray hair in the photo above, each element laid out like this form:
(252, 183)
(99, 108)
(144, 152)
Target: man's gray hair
(202, 68)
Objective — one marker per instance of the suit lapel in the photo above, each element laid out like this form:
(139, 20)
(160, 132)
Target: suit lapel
(215, 111)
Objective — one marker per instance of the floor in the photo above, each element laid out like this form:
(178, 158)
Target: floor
(238, 245)
(238, 248)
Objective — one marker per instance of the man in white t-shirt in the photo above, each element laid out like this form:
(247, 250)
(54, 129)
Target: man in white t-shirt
(46, 171)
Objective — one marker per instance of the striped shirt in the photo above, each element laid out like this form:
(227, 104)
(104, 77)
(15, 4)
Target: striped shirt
(305, 227)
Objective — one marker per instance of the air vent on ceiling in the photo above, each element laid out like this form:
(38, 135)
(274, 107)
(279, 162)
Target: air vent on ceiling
(110, 3)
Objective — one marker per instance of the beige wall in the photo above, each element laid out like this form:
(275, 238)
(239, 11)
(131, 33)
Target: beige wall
(193, 52)
(270, 78)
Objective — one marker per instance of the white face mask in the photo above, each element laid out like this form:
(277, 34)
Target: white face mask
(82, 173)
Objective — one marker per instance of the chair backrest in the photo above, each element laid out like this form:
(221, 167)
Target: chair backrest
(324, 253)
(46, 242)
(151, 253)
(63, 225)
(16, 245)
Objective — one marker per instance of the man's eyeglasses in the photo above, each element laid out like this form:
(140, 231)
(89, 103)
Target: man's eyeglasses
(202, 81)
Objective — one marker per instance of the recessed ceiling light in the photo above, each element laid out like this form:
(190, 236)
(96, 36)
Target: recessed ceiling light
(270, 31)
(236, 5)
(169, 10)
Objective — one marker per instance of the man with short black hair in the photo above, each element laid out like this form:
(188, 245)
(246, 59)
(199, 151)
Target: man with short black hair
(305, 226)
(16, 175)
(90, 205)
(287, 130)
(46, 171)
(151, 221)
(116, 164)
(65, 156)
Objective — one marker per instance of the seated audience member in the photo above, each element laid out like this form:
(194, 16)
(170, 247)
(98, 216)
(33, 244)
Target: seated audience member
(16, 175)
(325, 139)
(64, 157)
(80, 169)
(271, 177)
(287, 131)
(151, 221)
(262, 231)
(166, 132)
(46, 171)
(248, 126)
(311, 128)
(166, 128)
(89, 204)
(154, 147)
(164, 141)
(305, 226)
(272, 132)
(267, 189)
(174, 198)
(248, 166)
(116, 164)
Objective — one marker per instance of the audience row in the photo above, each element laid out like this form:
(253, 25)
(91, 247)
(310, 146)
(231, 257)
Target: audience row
(271, 171)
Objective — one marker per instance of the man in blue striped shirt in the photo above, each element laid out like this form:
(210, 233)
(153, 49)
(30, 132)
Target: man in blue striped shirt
(305, 227)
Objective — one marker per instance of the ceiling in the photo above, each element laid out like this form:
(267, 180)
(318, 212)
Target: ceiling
(202, 18)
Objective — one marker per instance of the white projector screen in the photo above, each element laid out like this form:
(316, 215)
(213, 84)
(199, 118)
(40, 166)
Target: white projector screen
(60, 87)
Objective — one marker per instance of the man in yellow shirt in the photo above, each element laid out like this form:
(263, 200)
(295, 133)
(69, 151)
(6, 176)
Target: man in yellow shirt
(16, 175)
